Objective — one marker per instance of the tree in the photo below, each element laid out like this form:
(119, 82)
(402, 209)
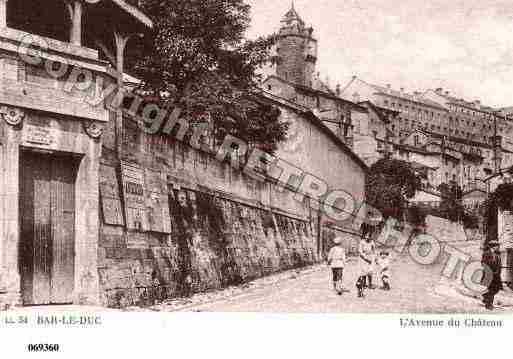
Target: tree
(470, 221)
(389, 185)
(197, 58)
(417, 216)
(503, 197)
(450, 205)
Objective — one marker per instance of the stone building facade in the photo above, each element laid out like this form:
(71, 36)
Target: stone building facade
(372, 137)
(51, 121)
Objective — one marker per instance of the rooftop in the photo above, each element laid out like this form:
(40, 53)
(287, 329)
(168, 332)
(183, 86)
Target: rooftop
(387, 90)
(292, 16)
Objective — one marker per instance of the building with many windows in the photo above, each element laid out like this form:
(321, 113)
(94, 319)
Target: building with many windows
(460, 141)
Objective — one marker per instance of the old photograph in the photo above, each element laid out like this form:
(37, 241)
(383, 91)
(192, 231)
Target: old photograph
(257, 156)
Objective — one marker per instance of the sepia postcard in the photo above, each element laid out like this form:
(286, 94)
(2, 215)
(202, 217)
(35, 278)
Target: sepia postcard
(218, 175)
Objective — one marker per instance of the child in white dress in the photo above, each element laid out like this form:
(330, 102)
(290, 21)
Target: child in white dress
(337, 262)
(383, 262)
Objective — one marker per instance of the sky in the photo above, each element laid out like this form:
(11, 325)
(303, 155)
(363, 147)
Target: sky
(465, 47)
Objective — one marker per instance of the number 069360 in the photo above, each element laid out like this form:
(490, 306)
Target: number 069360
(43, 347)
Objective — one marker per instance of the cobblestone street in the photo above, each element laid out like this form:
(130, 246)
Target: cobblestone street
(418, 289)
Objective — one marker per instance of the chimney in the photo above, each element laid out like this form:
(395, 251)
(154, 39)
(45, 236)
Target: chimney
(402, 89)
(439, 90)
(337, 90)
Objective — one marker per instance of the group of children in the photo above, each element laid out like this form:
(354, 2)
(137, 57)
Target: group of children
(368, 263)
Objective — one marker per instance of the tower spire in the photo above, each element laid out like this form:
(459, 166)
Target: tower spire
(292, 15)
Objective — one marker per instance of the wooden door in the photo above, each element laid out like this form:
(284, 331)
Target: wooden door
(47, 233)
(63, 230)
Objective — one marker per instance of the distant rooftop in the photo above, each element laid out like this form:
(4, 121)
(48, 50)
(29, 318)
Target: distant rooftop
(387, 90)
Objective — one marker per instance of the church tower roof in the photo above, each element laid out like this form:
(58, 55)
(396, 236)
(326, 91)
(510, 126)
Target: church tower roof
(292, 16)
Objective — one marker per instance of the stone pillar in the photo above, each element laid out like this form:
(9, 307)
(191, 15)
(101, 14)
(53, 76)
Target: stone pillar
(3, 13)
(120, 42)
(10, 231)
(3, 288)
(75, 10)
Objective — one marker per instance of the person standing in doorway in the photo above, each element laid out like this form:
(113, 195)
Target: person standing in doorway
(337, 262)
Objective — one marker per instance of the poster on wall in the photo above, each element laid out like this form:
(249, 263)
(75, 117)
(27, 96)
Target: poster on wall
(131, 137)
(133, 193)
(110, 197)
(157, 202)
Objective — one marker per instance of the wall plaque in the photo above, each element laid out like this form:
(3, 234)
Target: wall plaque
(134, 196)
(109, 196)
(37, 135)
(131, 136)
(157, 203)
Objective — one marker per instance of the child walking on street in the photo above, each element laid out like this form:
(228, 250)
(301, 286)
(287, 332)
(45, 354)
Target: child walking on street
(337, 262)
(366, 261)
(383, 262)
